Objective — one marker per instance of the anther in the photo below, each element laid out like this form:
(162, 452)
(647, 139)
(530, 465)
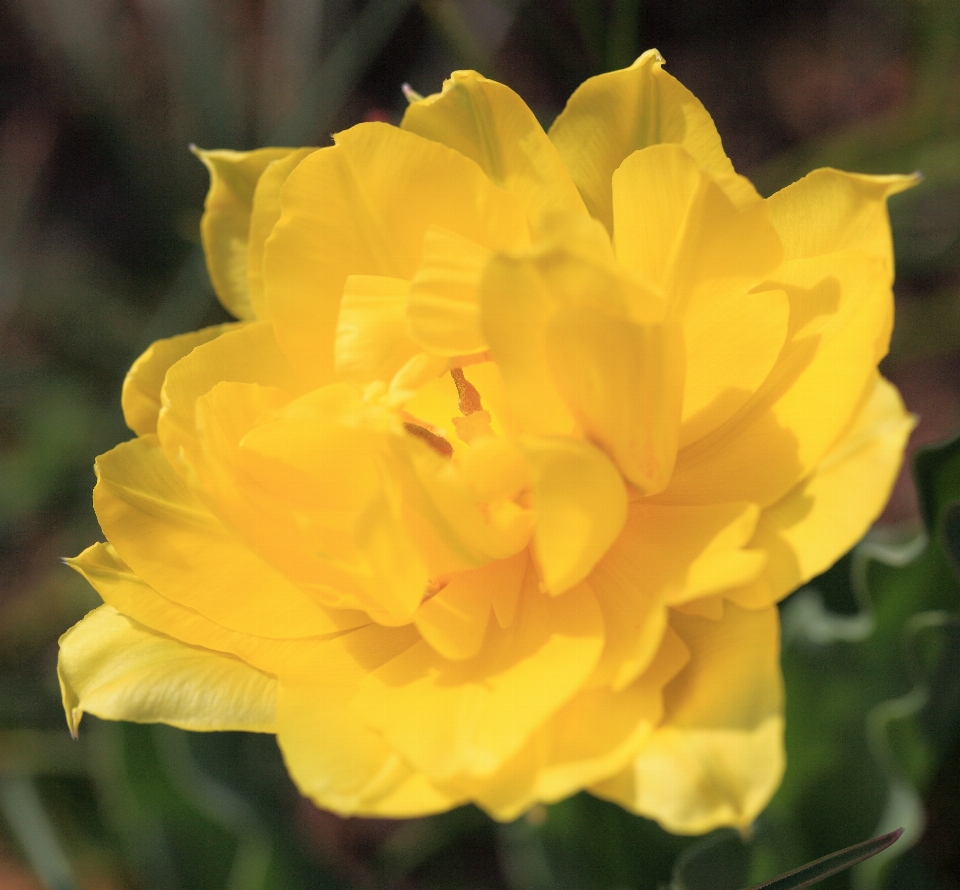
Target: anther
(437, 443)
(469, 400)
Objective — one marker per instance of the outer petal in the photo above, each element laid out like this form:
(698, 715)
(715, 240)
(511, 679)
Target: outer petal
(666, 556)
(490, 124)
(245, 355)
(263, 217)
(841, 316)
(472, 716)
(718, 757)
(130, 595)
(334, 758)
(733, 340)
(823, 517)
(116, 669)
(561, 758)
(177, 546)
(225, 226)
(362, 207)
(829, 210)
(675, 225)
(141, 387)
(303, 483)
(612, 115)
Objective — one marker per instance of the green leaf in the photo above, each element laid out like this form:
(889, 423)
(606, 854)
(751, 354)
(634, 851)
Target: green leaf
(814, 872)
(937, 474)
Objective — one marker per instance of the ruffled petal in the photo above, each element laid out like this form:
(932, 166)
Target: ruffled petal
(225, 226)
(247, 354)
(805, 532)
(444, 308)
(473, 715)
(624, 384)
(140, 398)
(372, 341)
(362, 207)
(172, 541)
(733, 340)
(333, 756)
(490, 124)
(666, 556)
(561, 759)
(130, 595)
(515, 307)
(676, 226)
(117, 669)
(841, 317)
(581, 505)
(455, 619)
(718, 757)
(263, 217)
(612, 115)
(303, 482)
(850, 214)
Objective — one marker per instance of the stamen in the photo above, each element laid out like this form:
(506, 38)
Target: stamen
(437, 443)
(469, 400)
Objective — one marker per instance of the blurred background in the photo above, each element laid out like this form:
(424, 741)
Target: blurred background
(100, 202)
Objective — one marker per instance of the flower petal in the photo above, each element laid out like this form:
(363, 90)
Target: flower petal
(372, 341)
(515, 306)
(172, 541)
(140, 399)
(130, 595)
(303, 482)
(454, 620)
(490, 124)
(851, 213)
(581, 505)
(612, 115)
(666, 556)
(472, 716)
(733, 340)
(400, 572)
(381, 189)
(444, 307)
(718, 757)
(247, 354)
(624, 384)
(335, 759)
(841, 316)
(263, 217)
(676, 226)
(225, 226)
(116, 669)
(824, 516)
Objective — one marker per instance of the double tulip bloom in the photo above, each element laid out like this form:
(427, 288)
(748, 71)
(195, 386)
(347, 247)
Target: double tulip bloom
(492, 490)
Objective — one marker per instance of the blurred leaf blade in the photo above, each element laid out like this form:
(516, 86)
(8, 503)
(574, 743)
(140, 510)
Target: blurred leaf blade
(815, 872)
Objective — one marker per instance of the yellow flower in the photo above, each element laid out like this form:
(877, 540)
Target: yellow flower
(490, 494)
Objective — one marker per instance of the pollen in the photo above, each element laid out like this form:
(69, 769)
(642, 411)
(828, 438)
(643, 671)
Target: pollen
(437, 443)
(469, 397)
